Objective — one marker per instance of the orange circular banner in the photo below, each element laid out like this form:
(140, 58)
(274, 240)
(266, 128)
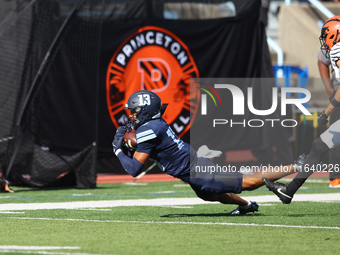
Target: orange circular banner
(153, 59)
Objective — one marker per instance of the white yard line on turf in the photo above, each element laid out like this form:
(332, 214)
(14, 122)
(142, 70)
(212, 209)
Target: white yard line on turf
(328, 197)
(178, 222)
(37, 248)
(21, 249)
(46, 250)
(43, 252)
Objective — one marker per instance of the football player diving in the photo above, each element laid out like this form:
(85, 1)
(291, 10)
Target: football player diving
(330, 46)
(157, 141)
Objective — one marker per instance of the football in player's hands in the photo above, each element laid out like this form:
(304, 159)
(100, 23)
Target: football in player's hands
(130, 139)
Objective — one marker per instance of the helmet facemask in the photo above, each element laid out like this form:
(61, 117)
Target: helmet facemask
(140, 115)
(324, 47)
(133, 117)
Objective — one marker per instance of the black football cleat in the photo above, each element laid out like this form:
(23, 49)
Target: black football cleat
(279, 189)
(242, 210)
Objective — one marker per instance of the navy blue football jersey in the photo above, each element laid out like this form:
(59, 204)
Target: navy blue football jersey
(170, 153)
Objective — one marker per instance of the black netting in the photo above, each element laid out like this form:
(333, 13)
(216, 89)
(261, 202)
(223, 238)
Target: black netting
(39, 42)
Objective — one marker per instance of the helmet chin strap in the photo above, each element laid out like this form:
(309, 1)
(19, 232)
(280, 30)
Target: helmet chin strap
(157, 116)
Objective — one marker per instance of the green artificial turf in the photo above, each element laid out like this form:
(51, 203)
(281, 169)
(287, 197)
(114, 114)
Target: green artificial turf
(298, 228)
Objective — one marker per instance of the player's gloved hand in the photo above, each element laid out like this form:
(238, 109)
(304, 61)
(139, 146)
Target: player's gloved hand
(323, 118)
(117, 144)
(120, 131)
(118, 139)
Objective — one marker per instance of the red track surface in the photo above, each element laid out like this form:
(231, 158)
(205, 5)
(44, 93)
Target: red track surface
(114, 178)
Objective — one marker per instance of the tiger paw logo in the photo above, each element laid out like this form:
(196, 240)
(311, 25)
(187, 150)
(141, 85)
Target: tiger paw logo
(153, 59)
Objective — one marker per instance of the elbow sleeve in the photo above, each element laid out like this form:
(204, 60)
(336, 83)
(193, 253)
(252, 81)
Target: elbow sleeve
(132, 166)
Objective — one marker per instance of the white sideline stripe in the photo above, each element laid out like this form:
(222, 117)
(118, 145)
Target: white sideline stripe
(43, 252)
(158, 202)
(37, 248)
(21, 249)
(307, 181)
(179, 222)
(12, 212)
